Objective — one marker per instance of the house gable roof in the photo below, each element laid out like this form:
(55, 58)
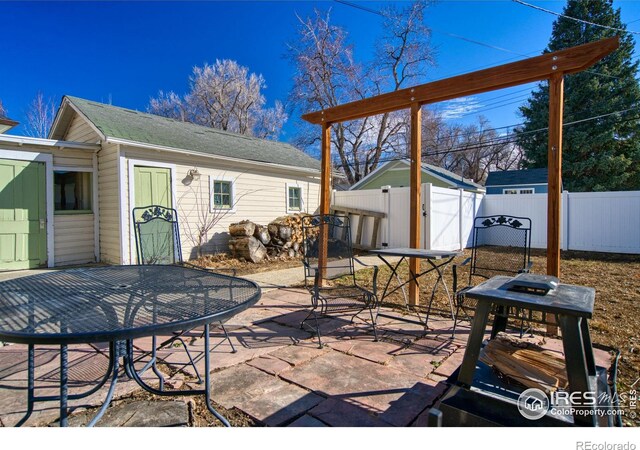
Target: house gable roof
(149, 129)
(453, 180)
(517, 177)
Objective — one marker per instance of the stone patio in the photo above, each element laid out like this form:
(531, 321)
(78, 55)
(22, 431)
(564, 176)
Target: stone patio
(278, 376)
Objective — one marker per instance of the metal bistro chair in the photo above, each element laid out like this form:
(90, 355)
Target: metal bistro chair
(157, 238)
(347, 296)
(501, 246)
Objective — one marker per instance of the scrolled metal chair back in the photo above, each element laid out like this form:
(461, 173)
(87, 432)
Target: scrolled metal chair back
(339, 257)
(501, 245)
(157, 235)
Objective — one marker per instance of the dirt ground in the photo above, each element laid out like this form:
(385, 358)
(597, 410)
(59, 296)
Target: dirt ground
(243, 267)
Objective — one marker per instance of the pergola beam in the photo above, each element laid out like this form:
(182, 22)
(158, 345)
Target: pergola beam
(574, 59)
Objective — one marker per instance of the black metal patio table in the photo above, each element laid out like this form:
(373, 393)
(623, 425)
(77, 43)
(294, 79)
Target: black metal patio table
(115, 305)
(439, 260)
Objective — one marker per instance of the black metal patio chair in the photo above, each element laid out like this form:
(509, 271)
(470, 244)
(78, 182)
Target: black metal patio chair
(334, 287)
(157, 238)
(501, 246)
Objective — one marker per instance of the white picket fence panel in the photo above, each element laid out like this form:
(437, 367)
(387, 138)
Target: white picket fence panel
(592, 221)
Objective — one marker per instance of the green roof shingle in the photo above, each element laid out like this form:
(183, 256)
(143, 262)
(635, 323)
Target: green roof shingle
(144, 128)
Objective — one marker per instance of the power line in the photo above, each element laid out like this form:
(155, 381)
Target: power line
(574, 18)
(473, 41)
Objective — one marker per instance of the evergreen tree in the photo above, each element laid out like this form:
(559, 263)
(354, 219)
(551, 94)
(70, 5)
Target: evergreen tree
(601, 154)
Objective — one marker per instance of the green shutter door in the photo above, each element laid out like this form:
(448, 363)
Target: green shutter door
(152, 186)
(23, 215)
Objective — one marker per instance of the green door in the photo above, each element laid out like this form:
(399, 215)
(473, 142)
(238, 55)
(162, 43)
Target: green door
(23, 215)
(152, 186)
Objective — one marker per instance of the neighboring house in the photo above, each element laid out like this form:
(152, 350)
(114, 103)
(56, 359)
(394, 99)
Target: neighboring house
(397, 173)
(68, 199)
(529, 181)
(6, 124)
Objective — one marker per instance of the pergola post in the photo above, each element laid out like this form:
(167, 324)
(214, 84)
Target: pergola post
(325, 197)
(554, 177)
(414, 201)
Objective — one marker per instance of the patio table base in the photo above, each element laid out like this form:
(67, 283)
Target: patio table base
(117, 350)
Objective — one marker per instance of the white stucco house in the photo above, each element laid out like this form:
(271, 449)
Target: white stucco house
(68, 199)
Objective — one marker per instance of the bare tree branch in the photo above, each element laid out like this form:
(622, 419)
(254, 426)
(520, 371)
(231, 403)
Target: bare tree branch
(40, 116)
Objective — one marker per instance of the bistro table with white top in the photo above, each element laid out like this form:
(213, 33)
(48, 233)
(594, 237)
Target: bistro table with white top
(115, 305)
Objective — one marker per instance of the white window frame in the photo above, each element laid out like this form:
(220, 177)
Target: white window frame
(232, 192)
(519, 191)
(286, 198)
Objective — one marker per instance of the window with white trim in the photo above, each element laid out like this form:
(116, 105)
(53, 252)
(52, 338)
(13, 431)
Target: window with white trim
(221, 194)
(294, 198)
(72, 192)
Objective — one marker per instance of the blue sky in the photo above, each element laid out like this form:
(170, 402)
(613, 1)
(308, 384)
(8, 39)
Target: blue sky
(126, 51)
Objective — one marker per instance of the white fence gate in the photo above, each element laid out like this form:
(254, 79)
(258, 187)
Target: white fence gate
(447, 215)
(592, 221)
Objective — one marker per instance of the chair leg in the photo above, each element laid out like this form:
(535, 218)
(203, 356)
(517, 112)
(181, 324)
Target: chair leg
(305, 319)
(315, 316)
(373, 324)
(226, 335)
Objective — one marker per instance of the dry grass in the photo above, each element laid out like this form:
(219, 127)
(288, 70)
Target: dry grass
(616, 317)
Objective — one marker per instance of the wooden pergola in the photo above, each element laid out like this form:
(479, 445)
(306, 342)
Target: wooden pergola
(551, 66)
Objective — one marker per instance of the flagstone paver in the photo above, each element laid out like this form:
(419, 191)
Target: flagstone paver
(339, 413)
(450, 364)
(237, 384)
(404, 410)
(356, 380)
(166, 413)
(298, 354)
(307, 421)
(280, 405)
(269, 364)
(378, 352)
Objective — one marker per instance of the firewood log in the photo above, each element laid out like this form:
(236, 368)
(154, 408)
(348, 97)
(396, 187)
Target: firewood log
(262, 234)
(248, 247)
(244, 228)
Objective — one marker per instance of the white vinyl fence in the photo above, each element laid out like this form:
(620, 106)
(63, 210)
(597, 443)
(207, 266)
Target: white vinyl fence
(593, 221)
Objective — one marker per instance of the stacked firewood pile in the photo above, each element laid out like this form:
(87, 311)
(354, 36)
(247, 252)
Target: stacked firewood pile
(282, 238)
(525, 363)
